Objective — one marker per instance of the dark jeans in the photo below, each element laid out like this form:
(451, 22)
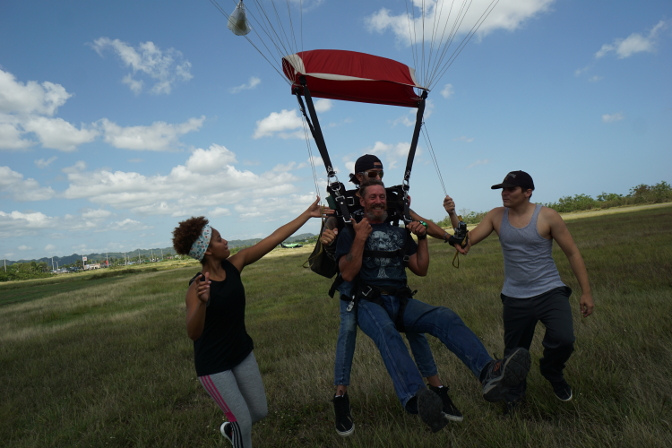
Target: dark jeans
(520, 317)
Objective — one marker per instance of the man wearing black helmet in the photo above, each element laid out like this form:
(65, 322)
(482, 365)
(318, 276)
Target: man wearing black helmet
(533, 290)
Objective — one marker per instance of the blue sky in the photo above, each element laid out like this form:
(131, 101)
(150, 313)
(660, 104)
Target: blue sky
(119, 119)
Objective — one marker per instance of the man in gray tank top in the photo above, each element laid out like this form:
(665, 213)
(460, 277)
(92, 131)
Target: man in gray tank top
(533, 290)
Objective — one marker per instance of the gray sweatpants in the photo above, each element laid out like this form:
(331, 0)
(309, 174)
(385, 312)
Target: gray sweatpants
(239, 392)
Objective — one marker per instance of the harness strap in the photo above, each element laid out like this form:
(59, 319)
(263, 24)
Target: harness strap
(374, 295)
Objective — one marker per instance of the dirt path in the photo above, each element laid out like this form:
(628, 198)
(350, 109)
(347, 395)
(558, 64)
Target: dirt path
(611, 211)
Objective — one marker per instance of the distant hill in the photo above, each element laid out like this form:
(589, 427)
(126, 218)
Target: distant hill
(142, 253)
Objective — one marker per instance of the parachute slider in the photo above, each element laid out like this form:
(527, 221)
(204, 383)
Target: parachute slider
(238, 22)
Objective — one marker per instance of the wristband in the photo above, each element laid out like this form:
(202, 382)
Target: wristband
(422, 237)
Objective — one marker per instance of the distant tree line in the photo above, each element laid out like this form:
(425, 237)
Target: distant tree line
(24, 271)
(641, 194)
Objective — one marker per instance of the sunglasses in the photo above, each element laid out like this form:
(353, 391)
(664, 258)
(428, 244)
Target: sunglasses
(372, 174)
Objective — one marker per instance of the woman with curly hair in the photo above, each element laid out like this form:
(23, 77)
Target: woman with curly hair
(225, 363)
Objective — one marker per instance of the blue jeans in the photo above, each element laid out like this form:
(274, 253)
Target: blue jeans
(378, 323)
(345, 348)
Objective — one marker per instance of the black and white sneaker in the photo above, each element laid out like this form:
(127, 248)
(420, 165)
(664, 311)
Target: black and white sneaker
(450, 411)
(502, 374)
(562, 390)
(430, 408)
(227, 431)
(344, 424)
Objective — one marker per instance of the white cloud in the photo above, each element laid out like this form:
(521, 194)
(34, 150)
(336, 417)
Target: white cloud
(211, 160)
(479, 162)
(96, 214)
(464, 139)
(127, 225)
(80, 165)
(50, 248)
(159, 136)
(16, 223)
(207, 180)
(389, 154)
(323, 105)
(57, 133)
(42, 163)
(219, 211)
(29, 107)
(508, 15)
(283, 124)
(580, 71)
(251, 84)
(633, 44)
(163, 68)
(10, 137)
(24, 247)
(31, 97)
(19, 189)
(447, 91)
(290, 205)
(610, 118)
(596, 78)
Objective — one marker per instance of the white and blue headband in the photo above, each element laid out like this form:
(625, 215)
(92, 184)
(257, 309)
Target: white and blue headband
(201, 244)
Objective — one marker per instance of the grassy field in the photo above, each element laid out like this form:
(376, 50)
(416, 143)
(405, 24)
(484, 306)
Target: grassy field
(96, 360)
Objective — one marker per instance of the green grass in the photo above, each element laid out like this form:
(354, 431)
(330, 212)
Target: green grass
(104, 361)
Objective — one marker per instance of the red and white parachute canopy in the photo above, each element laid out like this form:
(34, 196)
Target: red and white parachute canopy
(352, 76)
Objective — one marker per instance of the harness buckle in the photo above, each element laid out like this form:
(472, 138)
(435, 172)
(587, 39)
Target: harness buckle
(351, 305)
(370, 290)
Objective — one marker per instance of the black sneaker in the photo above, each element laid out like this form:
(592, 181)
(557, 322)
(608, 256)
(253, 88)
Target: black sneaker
(344, 424)
(502, 374)
(430, 409)
(562, 390)
(227, 431)
(450, 411)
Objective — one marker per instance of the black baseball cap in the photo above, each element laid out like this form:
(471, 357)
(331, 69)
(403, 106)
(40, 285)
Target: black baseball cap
(516, 179)
(366, 162)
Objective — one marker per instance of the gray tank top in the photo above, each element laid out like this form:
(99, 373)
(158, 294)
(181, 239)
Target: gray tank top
(529, 269)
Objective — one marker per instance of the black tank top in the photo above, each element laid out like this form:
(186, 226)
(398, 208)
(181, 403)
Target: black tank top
(224, 343)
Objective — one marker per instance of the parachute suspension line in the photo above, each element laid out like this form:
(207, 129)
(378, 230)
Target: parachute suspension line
(272, 35)
(425, 133)
(263, 55)
(445, 40)
(467, 38)
(433, 32)
(285, 42)
(446, 37)
(412, 35)
(281, 42)
(309, 147)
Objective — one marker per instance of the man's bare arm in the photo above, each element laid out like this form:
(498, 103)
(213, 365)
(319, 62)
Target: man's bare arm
(560, 233)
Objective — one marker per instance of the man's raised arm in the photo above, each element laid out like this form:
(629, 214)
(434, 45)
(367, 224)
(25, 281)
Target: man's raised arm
(350, 263)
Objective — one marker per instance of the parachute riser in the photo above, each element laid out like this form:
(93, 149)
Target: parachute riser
(411, 156)
(336, 188)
